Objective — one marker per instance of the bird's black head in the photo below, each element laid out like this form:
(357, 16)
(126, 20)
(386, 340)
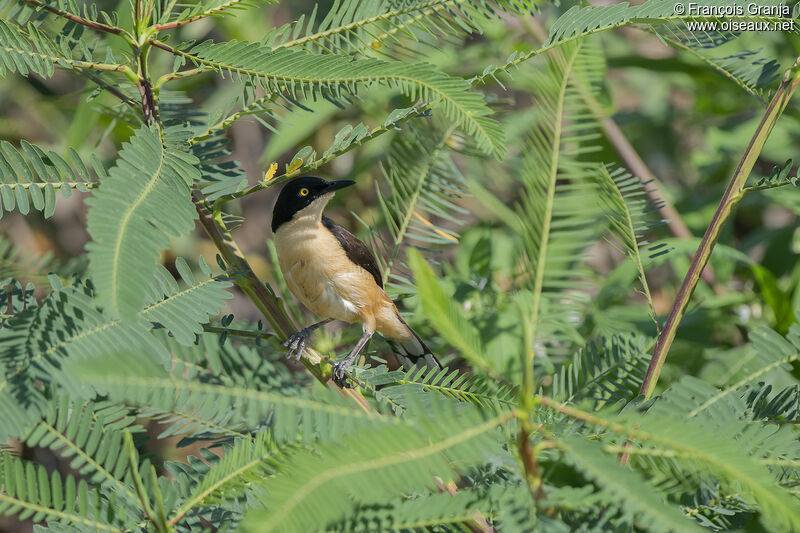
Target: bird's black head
(300, 193)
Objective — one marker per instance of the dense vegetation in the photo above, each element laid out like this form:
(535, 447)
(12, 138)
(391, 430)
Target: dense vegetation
(534, 180)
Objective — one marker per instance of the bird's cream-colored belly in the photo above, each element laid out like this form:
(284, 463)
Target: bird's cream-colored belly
(318, 273)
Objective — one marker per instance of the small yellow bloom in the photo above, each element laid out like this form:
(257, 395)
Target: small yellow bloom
(270, 173)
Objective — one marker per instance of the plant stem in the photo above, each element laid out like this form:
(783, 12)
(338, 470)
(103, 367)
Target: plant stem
(210, 12)
(729, 199)
(529, 463)
(138, 484)
(80, 20)
(245, 334)
(179, 76)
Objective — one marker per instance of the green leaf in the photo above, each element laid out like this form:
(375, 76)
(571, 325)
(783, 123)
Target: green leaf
(628, 488)
(775, 298)
(31, 176)
(144, 201)
(43, 343)
(301, 74)
(445, 314)
(23, 496)
(323, 485)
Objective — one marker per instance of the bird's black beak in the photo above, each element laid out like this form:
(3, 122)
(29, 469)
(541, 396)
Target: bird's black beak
(336, 185)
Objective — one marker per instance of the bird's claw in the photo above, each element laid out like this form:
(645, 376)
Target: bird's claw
(296, 343)
(339, 374)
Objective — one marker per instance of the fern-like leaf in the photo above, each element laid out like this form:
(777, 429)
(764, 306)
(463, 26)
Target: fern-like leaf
(29, 492)
(299, 74)
(90, 436)
(607, 371)
(41, 342)
(626, 486)
(422, 183)
(30, 177)
(628, 210)
(315, 487)
(559, 212)
(353, 26)
(245, 464)
(144, 201)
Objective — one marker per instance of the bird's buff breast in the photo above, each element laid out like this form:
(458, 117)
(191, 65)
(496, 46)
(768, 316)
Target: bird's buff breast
(313, 263)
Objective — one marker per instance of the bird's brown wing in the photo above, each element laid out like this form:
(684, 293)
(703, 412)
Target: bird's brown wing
(356, 251)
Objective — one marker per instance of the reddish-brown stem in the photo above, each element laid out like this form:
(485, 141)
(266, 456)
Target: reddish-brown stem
(75, 18)
(730, 198)
(529, 464)
(159, 44)
(205, 14)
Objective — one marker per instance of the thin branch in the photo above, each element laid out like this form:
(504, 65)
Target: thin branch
(378, 131)
(730, 198)
(111, 89)
(180, 75)
(253, 108)
(204, 14)
(767, 186)
(99, 26)
(529, 463)
(237, 332)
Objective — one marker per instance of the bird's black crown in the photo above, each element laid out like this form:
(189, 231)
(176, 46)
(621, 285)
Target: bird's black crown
(299, 193)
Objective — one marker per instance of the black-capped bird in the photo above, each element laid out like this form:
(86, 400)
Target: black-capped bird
(335, 275)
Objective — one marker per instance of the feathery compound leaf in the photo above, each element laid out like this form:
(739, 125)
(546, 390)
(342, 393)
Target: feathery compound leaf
(445, 314)
(200, 10)
(422, 181)
(242, 466)
(27, 53)
(29, 492)
(627, 486)
(607, 371)
(30, 178)
(331, 76)
(399, 386)
(580, 21)
(627, 208)
(559, 210)
(325, 413)
(355, 26)
(144, 201)
(316, 487)
(184, 311)
(718, 451)
(43, 343)
(91, 436)
(448, 511)
(770, 353)
(18, 264)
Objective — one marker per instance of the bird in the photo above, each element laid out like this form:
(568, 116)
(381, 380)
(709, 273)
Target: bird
(335, 275)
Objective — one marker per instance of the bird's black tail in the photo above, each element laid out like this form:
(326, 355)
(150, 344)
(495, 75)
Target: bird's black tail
(413, 352)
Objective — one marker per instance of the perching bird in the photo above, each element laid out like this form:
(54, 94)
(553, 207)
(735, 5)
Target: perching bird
(335, 275)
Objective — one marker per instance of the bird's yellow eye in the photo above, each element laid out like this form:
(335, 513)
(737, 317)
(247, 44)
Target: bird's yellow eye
(303, 192)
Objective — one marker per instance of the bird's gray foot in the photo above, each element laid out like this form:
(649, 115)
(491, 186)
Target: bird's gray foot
(296, 343)
(340, 369)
